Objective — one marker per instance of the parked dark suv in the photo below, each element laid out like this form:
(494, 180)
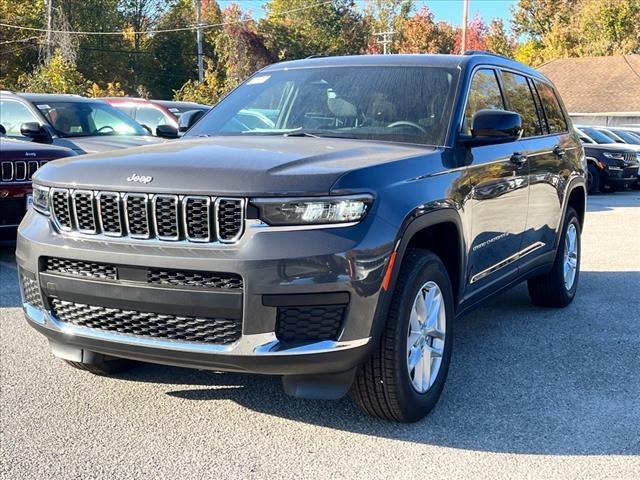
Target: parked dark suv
(336, 248)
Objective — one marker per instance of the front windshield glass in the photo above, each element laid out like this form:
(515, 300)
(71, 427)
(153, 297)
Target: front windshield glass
(596, 136)
(628, 137)
(400, 104)
(84, 119)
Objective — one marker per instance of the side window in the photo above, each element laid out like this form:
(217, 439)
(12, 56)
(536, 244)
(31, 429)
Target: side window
(520, 100)
(151, 117)
(484, 93)
(12, 115)
(552, 109)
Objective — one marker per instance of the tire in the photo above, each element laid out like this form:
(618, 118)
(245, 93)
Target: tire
(384, 385)
(593, 179)
(104, 365)
(609, 188)
(552, 289)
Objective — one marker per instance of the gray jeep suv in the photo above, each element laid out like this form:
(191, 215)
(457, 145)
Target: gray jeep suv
(327, 222)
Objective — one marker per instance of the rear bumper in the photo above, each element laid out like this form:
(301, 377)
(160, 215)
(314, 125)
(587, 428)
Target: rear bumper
(278, 268)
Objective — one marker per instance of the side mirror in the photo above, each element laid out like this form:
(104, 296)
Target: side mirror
(494, 126)
(34, 130)
(188, 119)
(167, 131)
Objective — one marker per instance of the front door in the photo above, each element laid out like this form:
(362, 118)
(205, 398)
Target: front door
(498, 198)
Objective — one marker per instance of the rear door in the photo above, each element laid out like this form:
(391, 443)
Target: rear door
(498, 198)
(551, 160)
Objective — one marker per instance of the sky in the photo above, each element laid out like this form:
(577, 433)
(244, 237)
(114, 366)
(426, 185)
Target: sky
(443, 10)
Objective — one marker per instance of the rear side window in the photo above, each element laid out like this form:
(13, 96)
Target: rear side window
(520, 100)
(552, 109)
(13, 115)
(484, 93)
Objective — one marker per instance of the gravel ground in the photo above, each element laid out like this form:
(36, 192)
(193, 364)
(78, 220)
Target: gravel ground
(532, 393)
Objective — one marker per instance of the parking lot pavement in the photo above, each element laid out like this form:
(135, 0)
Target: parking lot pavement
(532, 393)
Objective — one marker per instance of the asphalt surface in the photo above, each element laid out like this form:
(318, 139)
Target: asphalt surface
(532, 393)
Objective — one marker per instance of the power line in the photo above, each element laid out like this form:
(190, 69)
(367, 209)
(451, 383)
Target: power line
(153, 32)
(20, 40)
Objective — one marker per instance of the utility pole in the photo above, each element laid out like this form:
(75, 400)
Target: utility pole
(385, 39)
(465, 14)
(49, 28)
(199, 40)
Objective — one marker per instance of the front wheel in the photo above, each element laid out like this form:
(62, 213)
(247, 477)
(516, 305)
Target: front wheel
(593, 179)
(558, 287)
(404, 377)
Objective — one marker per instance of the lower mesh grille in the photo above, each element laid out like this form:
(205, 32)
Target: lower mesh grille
(31, 292)
(81, 268)
(222, 331)
(309, 323)
(189, 278)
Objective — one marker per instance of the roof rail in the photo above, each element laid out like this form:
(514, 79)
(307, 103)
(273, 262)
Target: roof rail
(317, 55)
(484, 52)
(6, 91)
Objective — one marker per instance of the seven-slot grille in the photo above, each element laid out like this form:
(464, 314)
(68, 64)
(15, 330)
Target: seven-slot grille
(145, 216)
(19, 171)
(630, 158)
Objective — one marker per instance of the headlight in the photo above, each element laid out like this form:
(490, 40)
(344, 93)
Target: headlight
(614, 156)
(312, 211)
(41, 199)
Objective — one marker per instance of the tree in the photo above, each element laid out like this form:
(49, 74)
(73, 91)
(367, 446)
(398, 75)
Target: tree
(111, 89)
(384, 16)
(421, 34)
(476, 35)
(293, 31)
(608, 28)
(58, 76)
(498, 41)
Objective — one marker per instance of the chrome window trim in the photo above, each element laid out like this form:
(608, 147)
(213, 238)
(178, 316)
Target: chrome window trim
(54, 215)
(185, 218)
(117, 195)
(242, 222)
(125, 199)
(175, 200)
(91, 194)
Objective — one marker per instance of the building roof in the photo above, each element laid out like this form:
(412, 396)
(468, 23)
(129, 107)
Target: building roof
(597, 84)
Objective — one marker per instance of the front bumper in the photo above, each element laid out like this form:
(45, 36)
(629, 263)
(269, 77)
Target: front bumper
(273, 263)
(621, 175)
(13, 206)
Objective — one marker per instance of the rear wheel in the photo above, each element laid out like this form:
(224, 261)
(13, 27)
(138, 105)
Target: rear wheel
(103, 365)
(558, 287)
(404, 377)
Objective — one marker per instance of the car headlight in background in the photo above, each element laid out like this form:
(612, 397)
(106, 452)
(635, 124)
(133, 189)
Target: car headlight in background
(312, 211)
(614, 156)
(41, 199)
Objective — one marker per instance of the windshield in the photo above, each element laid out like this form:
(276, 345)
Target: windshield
(400, 104)
(596, 136)
(628, 137)
(84, 119)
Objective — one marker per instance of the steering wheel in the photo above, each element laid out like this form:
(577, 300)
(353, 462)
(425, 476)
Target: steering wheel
(406, 123)
(106, 127)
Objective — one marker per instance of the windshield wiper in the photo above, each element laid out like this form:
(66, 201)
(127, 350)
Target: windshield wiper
(301, 134)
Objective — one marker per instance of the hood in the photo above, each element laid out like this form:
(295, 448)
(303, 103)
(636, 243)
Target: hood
(240, 166)
(105, 143)
(612, 147)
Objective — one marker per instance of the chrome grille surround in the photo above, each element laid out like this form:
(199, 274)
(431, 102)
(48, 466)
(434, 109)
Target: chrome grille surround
(144, 216)
(229, 212)
(110, 213)
(84, 212)
(165, 212)
(136, 215)
(61, 209)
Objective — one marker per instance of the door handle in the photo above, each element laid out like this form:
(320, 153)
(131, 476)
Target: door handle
(559, 151)
(518, 159)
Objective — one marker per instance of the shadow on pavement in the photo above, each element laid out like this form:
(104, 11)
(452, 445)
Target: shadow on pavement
(9, 289)
(523, 380)
(605, 202)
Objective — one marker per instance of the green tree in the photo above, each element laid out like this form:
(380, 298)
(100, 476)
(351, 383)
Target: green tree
(58, 76)
(292, 31)
(498, 41)
(421, 34)
(22, 54)
(383, 16)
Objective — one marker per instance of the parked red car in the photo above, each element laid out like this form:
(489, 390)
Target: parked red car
(19, 160)
(153, 113)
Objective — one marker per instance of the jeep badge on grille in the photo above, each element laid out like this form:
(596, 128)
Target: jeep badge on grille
(140, 178)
